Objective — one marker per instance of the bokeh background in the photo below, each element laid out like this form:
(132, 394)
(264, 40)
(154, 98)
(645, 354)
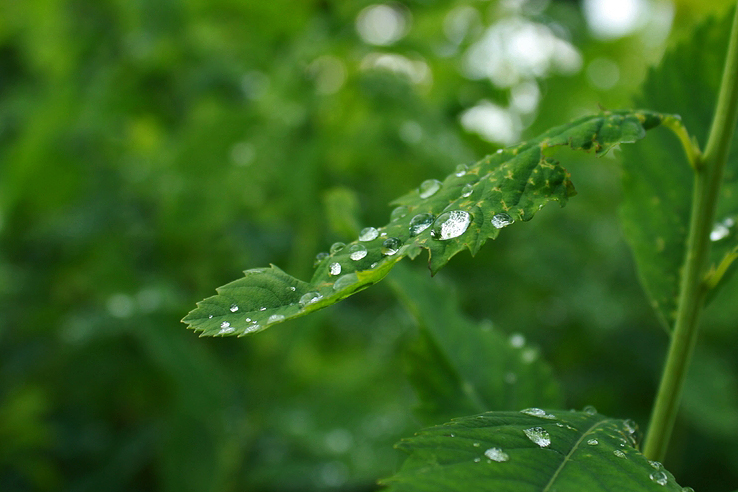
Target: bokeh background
(151, 150)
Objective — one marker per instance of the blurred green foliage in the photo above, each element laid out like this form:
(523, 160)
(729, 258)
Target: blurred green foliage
(149, 151)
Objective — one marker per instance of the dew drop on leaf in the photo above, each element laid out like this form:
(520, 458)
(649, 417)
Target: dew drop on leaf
(538, 435)
(461, 170)
(336, 247)
(619, 453)
(357, 252)
(234, 308)
(225, 324)
(275, 318)
(719, 231)
(391, 246)
(630, 426)
(467, 190)
(226, 328)
(398, 213)
(659, 477)
(593, 442)
(368, 234)
(687, 489)
(334, 269)
(310, 298)
(496, 454)
(450, 224)
(345, 281)
(589, 410)
(502, 220)
(419, 223)
(319, 258)
(429, 187)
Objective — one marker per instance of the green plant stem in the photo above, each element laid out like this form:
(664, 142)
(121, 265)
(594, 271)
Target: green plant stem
(708, 178)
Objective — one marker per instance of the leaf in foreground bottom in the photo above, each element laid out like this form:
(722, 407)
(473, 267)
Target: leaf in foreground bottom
(470, 206)
(529, 451)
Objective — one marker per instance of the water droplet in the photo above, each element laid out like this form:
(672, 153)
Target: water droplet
(538, 435)
(210, 317)
(391, 246)
(334, 269)
(336, 247)
(659, 477)
(619, 453)
(357, 252)
(517, 340)
(687, 489)
(293, 288)
(248, 320)
(275, 318)
(451, 224)
(589, 410)
(310, 298)
(630, 426)
(502, 220)
(467, 190)
(496, 454)
(429, 187)
(499, 151)
(655, 464)
(419, 223)
(345, 281)
(477, 460)
(368, 234)
(476, 444)
(262, 309)
(374, 265)
(320, 257)
(593, 442)
(461, 170)
(398, 213)
(234, 308)
(537, 412)
(225, 327)
(719, 232)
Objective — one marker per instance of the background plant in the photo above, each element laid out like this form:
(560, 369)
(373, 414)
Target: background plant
(143, 153)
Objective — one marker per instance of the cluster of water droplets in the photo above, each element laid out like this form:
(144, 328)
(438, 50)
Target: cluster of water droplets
(721, 230)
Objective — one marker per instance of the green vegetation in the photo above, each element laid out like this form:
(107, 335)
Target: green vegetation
(149, 151)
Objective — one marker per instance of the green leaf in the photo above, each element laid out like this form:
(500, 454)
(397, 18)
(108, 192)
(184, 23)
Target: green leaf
(657, 178)
(523, 452)
(470, 206)
(444, 363)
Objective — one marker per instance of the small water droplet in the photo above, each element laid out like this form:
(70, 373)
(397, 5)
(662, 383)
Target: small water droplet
(391, 246)
(357, 252)
(499, 151)
(248, 320)
(345, 281)
(419, 223)
(334, 269)
(659, 477)
(451, 224)
(210, 317)
(234, 308)
(461, 170)
(476, 444)
(589, 410)
(226, 330)
(496, 454)
(687, 489)
(655, 464)
(398, 213)
(429, 187)
(539, 436)
(502, 220)
(630, 426)
(262, 309)
(719, 231)
(275, 318)
(225, 324)
(477, 460)
(467, 190)
(619, 453)
(310, 298)
(336, 247)
(374, 265)
(537, 412)
(517, 340)
(368, 234)
(319, 257)
(293, 288)
(593, 442)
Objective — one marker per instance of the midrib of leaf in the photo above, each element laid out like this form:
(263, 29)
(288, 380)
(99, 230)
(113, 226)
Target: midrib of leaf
(566, 459)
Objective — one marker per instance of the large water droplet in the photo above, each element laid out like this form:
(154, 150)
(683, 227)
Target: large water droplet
(537, 412)
(659, 477)
(467, 190)
(461, 170)
(345, 281)
(368, 234)
(429, 187)
(589, 410)
(419, 223)
(310, 298)
(592, 442)
(319, 258)
(538, 435)
(334, 269)
(630, 426)
(357, 252)
(234, 308)
(275, 318)
(391, 246)
(451, 224)
(496, 454)
(336, 247)
(502, 220)
(398, 213)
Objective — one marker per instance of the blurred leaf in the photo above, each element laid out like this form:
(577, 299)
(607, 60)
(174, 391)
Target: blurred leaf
(470, 206)
(532, 450)
(444, 365)
(657, 179)
(342, 209)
